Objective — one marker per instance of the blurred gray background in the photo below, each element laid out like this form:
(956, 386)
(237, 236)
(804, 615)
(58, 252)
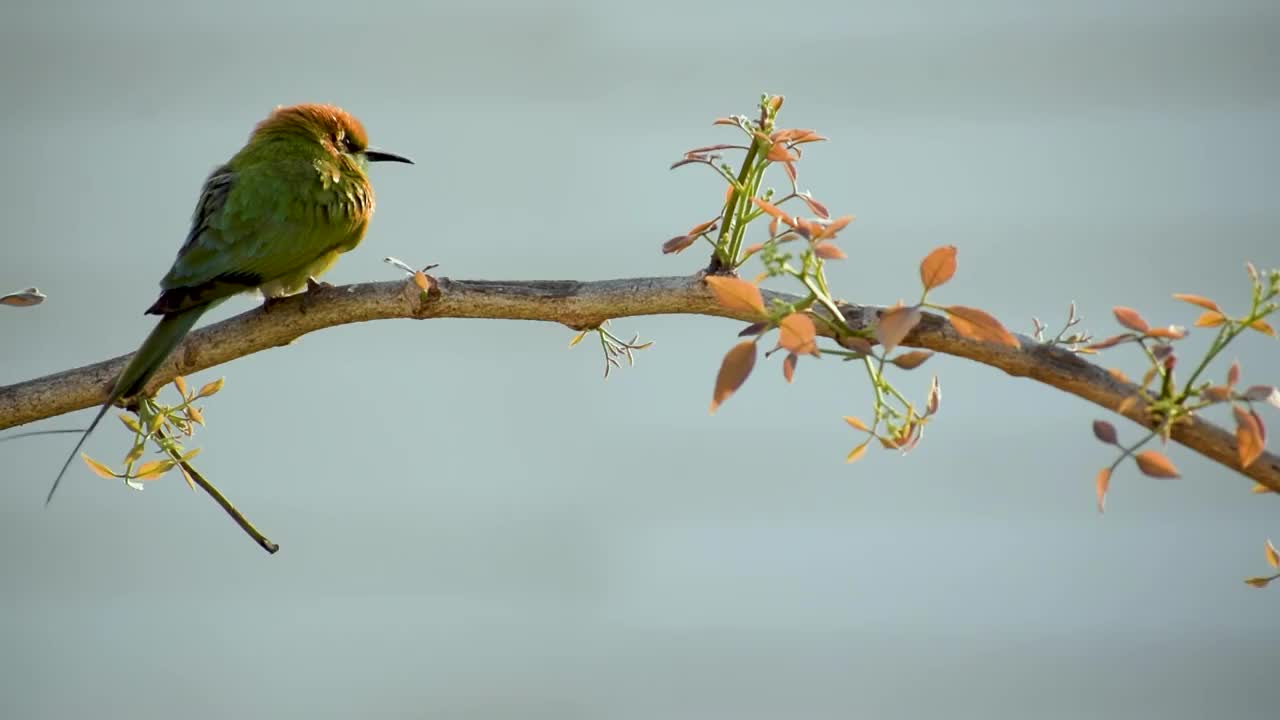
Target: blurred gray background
(475, 525)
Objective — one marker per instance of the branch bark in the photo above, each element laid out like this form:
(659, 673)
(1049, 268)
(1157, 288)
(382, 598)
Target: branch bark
(581, 305)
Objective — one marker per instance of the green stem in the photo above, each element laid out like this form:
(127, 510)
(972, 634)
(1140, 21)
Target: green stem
(219, 498)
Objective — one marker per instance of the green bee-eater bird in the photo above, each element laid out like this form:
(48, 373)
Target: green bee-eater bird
(273, 218)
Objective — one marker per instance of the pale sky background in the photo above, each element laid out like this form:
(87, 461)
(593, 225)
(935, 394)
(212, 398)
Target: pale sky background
(474, 525)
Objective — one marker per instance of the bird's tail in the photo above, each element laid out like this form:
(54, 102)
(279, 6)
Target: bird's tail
(154, 351)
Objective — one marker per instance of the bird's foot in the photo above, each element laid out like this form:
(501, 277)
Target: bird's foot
(314, 285)
(270, 301)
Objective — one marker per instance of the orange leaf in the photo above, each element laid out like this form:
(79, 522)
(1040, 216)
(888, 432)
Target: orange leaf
(1273, 557)
(797, 334)
(938, 267)
(1172, 332)
(736, 295)
(856, 423)
(98, 468)
(856, 453)
(211, 388)
(180, 384)
(423, 282)
(1249, 438)
(1118, 374)
(1262, 327)
(1127, 405)
(677, 243)
(1210, 319)
(734, 369)
(789, 366)
(976, 324)
(1130, 318)
(827, 251)
(912, 360)
(771, 210)
(1155, 465)
(700, 228)
(1101, 484)
(1259, 488)
(153, 470)
(1203, 302)
(725, 121)
(752, 249)
(894, 325)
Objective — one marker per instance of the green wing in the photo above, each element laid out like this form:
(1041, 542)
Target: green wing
(261, 222)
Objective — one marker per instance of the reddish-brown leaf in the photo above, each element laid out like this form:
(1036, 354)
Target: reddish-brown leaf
(1211, 318)
(938, 267)
(1111, 341)
(1216, 393)
(1261, 326)
(1155, 465)
(1268, 394)
(977, 324)
(753, 329)
(675, 244)
(1130, 318)
(1118, 374)
(797, 334)
(779, 153)
(855, 343)
(935, 397)
(912, 360)
(1249, 438)
(1203, 302)
(789, 366)
(790, 167)
(816, 207)
(1101, 484)
(1104, 431)
(1273, 557)
(752, 249)
(894, 325)
(734, 370)
(725, 121)
(1233, 374)
(1259, 582)
(827, 251)
(736, 294)
(856, 424)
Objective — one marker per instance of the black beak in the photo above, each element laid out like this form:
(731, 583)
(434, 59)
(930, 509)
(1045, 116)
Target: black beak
(380, 156)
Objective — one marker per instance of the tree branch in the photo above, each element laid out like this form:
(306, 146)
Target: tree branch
(580, 305)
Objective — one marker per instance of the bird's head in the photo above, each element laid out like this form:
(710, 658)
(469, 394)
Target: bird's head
(337, 131)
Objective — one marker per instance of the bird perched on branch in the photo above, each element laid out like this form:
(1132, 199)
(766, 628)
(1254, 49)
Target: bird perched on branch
(273, 218)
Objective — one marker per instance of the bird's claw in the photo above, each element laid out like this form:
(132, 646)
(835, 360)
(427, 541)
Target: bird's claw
(313, 285)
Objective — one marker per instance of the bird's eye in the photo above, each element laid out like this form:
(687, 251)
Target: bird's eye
(348, 143)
